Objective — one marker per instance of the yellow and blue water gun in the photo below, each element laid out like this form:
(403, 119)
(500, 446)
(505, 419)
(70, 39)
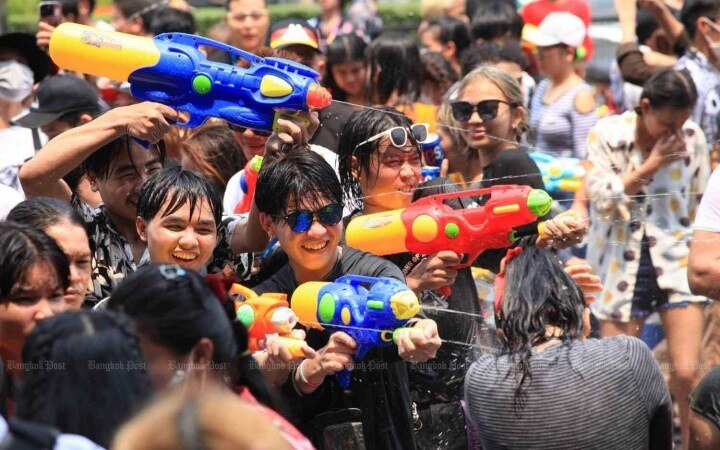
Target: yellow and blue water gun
(373, 311)
(170, 69)
(559, 173)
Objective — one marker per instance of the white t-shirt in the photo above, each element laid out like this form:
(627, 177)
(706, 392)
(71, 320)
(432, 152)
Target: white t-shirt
(708, 215)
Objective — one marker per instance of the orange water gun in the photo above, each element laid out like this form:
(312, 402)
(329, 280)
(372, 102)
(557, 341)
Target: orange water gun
(266, 314)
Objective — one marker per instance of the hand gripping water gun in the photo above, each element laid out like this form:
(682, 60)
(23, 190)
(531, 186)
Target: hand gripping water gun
(170, 69)
(372, 317)
(559, 173)
(428, 225)
(248, 180)
(265, 314)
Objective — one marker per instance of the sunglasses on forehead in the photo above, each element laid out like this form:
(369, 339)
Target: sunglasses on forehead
(302, 219)
(240, 129)
(486, 109)
(399, 135)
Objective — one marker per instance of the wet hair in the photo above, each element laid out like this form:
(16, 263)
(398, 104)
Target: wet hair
(438, 71)
(63, 389)
(301, 176)
(178, 187)
(360, 126)
(22, 247)
(216, 153)
(496, 19)
(507, 84)
(98, 163)
(692, 10)
(394, 60)
(450, 29)
(343, 49)
(172, 20)
(42, 213)
(670, 88)
(176, 308)
(538, 293)
(492, 53)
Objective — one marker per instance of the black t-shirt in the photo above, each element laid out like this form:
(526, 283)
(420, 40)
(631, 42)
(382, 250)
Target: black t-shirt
(332, 120)
(380, 389)
(512, 166)
(705, 399)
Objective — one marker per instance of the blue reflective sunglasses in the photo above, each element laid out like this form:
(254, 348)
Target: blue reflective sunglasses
(302, 219)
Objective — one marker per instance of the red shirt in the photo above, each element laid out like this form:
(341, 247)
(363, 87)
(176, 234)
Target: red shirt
(533, 13)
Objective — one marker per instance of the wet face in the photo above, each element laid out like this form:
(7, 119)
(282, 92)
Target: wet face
(73, 241)
(489, 134)
(249, 22)
(121, 187)
(393, 176)
(350, 77)
(185, 237)
(661, 122)
(312, 253)
(37, 295)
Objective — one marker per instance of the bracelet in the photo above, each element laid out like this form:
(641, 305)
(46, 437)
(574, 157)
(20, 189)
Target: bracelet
(304, 380)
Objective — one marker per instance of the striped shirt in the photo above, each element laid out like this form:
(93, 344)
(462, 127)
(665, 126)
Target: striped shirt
(558, 128)
(593, 394)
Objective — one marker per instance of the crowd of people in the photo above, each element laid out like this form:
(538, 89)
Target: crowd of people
(123, 231)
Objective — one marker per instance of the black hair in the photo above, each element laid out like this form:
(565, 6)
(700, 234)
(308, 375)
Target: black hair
(42, 213)
(496, 19)
(344, 48)
(22, 247)
(71, 7)
(645, 25)
(692, 10)
(492, 53)
(176, 308)
(438, 71)
(301, 176)
(538, 293)
(172, 20)
(86, 374)
(178, 187)
(451, 29)
(360, 126)
(670, 88)
(144, 9)
(98, 163)
(394, 66)
(73, 118)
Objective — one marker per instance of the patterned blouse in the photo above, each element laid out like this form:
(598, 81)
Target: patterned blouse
(113, 258)
(663, 210)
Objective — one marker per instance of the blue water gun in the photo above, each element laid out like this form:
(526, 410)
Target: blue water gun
(373, 311)
(559, 173)
(170, 69)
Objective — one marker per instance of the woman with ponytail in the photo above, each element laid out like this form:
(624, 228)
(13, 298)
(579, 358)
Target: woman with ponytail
(190, 337)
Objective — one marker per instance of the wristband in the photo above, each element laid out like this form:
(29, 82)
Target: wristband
(304, 380)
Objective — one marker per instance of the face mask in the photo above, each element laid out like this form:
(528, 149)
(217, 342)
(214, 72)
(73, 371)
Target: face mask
(16, 81)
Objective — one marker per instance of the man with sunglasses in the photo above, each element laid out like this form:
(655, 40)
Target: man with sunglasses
(300, 203)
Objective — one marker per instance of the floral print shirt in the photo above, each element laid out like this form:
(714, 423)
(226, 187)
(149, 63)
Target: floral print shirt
(663, 210)
(113, 258)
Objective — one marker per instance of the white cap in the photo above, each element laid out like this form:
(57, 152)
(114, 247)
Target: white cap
(557, 28)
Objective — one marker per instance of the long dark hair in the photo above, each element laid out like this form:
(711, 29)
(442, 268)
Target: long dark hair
(176, 308)
(343, 49)
(360, 126)
(394, 66)
(85, 374)
(538, 293)
(670, 88)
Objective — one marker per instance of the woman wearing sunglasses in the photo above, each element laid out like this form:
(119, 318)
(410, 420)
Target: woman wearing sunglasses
(300, 203)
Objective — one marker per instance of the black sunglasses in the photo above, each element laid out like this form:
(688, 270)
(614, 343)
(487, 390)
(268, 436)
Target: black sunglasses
(302, 219)
(486, 109)
(240, 129)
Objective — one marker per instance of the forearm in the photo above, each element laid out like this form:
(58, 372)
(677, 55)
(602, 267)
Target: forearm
(249, 235)
(40, 175)
(275, 374)
(673, 27)
(639, 178)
